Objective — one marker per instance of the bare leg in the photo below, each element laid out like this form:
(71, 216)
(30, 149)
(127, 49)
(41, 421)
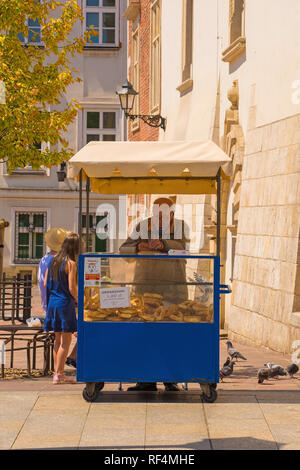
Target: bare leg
(63, 352)
(73, 354)
(56, 347)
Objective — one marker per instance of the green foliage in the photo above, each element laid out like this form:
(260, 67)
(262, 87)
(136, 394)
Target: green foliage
(36, 78)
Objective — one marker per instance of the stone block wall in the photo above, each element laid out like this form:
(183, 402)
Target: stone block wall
(265, 306)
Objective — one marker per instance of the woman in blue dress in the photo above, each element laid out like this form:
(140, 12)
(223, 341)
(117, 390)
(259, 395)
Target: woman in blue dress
(61, 282)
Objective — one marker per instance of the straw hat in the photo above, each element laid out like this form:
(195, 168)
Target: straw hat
(54, 238)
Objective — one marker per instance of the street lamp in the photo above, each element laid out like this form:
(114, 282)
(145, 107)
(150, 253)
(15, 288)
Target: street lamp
(127, 96)
(61, 173)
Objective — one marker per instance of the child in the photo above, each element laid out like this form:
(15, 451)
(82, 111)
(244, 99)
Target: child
(60, 280)
(54, 238)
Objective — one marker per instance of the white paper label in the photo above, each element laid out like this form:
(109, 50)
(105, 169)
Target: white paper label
(115, 297)
(178, 252)
(92, 270)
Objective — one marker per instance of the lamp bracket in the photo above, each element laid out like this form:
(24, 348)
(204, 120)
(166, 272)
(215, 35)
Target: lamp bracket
(155, 120)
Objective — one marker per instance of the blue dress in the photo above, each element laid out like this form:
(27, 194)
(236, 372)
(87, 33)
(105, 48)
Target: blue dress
(61, 315)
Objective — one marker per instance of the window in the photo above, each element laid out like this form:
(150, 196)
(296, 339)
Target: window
(236, 19)
(155, 57)
(136, 74)
(29, 236)
(187, 46)
(96, 245)
(237, 40)
(34, 33)
(100, 125)
(41, 146)
(102, 16)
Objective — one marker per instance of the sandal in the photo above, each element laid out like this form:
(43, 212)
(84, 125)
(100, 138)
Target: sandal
(57, 379)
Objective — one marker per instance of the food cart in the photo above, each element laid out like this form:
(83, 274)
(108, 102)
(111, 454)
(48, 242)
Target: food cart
(135, 329)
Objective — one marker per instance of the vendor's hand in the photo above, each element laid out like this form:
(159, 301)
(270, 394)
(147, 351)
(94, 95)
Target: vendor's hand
(156, 244)
(143, 246)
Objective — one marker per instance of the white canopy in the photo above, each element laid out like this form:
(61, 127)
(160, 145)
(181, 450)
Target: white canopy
(149, 159)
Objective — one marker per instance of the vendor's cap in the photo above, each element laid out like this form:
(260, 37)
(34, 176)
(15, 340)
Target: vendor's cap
(54, 238)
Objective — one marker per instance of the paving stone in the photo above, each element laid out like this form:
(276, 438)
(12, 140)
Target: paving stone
(286, 434)
(115, 424)
(14, 409)
(240, 434)
(55, 421)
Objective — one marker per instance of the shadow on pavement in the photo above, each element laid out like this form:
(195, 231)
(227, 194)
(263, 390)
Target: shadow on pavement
(193, 396)
(228, 443)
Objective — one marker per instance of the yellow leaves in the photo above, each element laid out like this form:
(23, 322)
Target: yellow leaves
(35, 79)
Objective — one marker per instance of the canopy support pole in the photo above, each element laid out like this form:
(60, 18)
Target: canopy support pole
(218, 178)
(87, 216)
(80, 212)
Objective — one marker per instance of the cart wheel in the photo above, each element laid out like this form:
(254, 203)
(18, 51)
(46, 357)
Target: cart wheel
(90, 392)
(99, 386)
(209, 394)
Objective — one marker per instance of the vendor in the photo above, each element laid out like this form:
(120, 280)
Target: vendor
(157, 235)
(167, 277)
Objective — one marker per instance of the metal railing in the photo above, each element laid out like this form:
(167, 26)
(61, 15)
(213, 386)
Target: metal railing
(15, 297)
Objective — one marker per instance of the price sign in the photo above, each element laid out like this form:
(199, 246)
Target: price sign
(115, 297)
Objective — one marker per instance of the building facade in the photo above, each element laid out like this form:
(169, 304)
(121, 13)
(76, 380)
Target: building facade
(34, 201)
(229, 71)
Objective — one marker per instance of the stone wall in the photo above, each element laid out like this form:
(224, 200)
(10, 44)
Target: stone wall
(265, 306)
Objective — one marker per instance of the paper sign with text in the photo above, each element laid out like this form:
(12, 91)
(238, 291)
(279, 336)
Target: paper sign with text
(92, 269)
(115, 297)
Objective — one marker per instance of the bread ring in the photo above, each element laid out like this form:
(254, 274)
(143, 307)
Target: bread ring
(153, 296)
(191, 319)
(126, 316)
(152, 303)
(136, 301)
(146, 317)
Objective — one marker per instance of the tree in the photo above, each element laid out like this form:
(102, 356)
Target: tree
(36, 46)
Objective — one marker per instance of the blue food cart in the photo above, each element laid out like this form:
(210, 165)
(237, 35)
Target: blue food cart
(129, 330)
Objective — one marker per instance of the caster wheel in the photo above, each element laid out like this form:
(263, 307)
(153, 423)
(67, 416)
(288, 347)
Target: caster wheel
(90, 392)
(209, 394)
(99, 386)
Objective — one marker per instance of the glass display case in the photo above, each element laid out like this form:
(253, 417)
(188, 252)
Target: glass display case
(148, 289)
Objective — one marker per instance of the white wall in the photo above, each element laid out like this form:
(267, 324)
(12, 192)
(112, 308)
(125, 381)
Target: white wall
(271, 63)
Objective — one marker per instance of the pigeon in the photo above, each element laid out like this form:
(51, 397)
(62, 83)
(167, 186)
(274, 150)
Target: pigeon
(263, 374)
(269, 365)
(234, 353)
(227, 362)
(226, 371)
(269, 373)
(277, 370)
(292, 369)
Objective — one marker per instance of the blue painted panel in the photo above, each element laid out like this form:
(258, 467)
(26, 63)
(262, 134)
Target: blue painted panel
(147, 352)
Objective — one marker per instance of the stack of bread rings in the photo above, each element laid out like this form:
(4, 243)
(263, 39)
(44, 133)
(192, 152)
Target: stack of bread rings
(148, 307)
